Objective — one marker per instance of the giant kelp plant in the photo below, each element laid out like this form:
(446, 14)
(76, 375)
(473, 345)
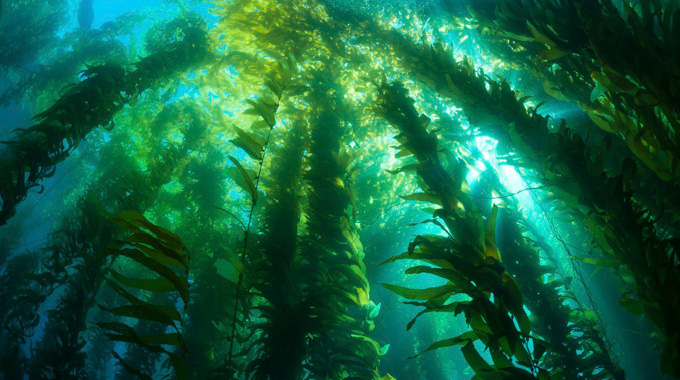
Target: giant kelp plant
(244, 189)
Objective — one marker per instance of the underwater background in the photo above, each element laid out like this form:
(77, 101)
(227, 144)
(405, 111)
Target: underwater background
(339, 189)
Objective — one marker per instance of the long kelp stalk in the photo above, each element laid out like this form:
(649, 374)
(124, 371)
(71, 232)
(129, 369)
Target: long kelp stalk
(60, 351)
(275, 275)
(467, 258)
(206, 232)
(628, 84)
(60, 354)
(22, 291)
(331, 252)
(578, 348)
(191, 212)
(34, 153)
(256, 147)
(49, 268)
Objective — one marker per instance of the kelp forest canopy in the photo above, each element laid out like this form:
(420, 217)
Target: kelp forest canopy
(340, 189)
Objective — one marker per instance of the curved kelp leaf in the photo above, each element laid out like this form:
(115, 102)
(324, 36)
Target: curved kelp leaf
(158, 251)
(464, 338)
(151, 284)
(252, 144)
(130, 368)
(265, 108)
(490, 235)
(421, 294)
(248, 182)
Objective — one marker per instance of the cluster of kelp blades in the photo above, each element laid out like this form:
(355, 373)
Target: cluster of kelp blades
(83, 248)
(616, 80)
(314, 310)
(628, 86)
(469, 259)
(34, 153)
(619, 224)
(293, 298)
(330, 254)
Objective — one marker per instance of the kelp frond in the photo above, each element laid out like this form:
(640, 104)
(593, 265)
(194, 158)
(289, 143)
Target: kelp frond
(35, 151)
(163, 255)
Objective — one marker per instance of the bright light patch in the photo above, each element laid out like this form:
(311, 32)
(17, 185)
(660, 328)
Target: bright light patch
(511, 178)
(514, 183)
(471, 176)
(487, 148)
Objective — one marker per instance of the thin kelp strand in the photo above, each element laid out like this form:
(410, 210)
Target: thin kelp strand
(267, 112)
(577, 270)
(244, 251)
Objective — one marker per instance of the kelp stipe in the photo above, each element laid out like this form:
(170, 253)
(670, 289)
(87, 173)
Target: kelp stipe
(60, 351)
(256, 147)
(275, 274)
(628, 87)
(575, 343)
(340, 345)
(35, 151)
(467, 258)
(22, 291)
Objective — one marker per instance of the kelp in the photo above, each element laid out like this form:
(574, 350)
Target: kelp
(205, 329)
(32, 277)
(576, 174)
(275, 274)
(72, 259)
(258, 30)
(139, 357)
(59, 353)
(77, 50)
(26, 28)
(35, 151)
(298, 297)
(121, 186)
(628, 84)
(22, 292)
(98, 347)
(576, 347)
(331, 252)
(467, 258)
(330, 348)
(205, 230)
(255, 146)
(646, 260)
(164, 256)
